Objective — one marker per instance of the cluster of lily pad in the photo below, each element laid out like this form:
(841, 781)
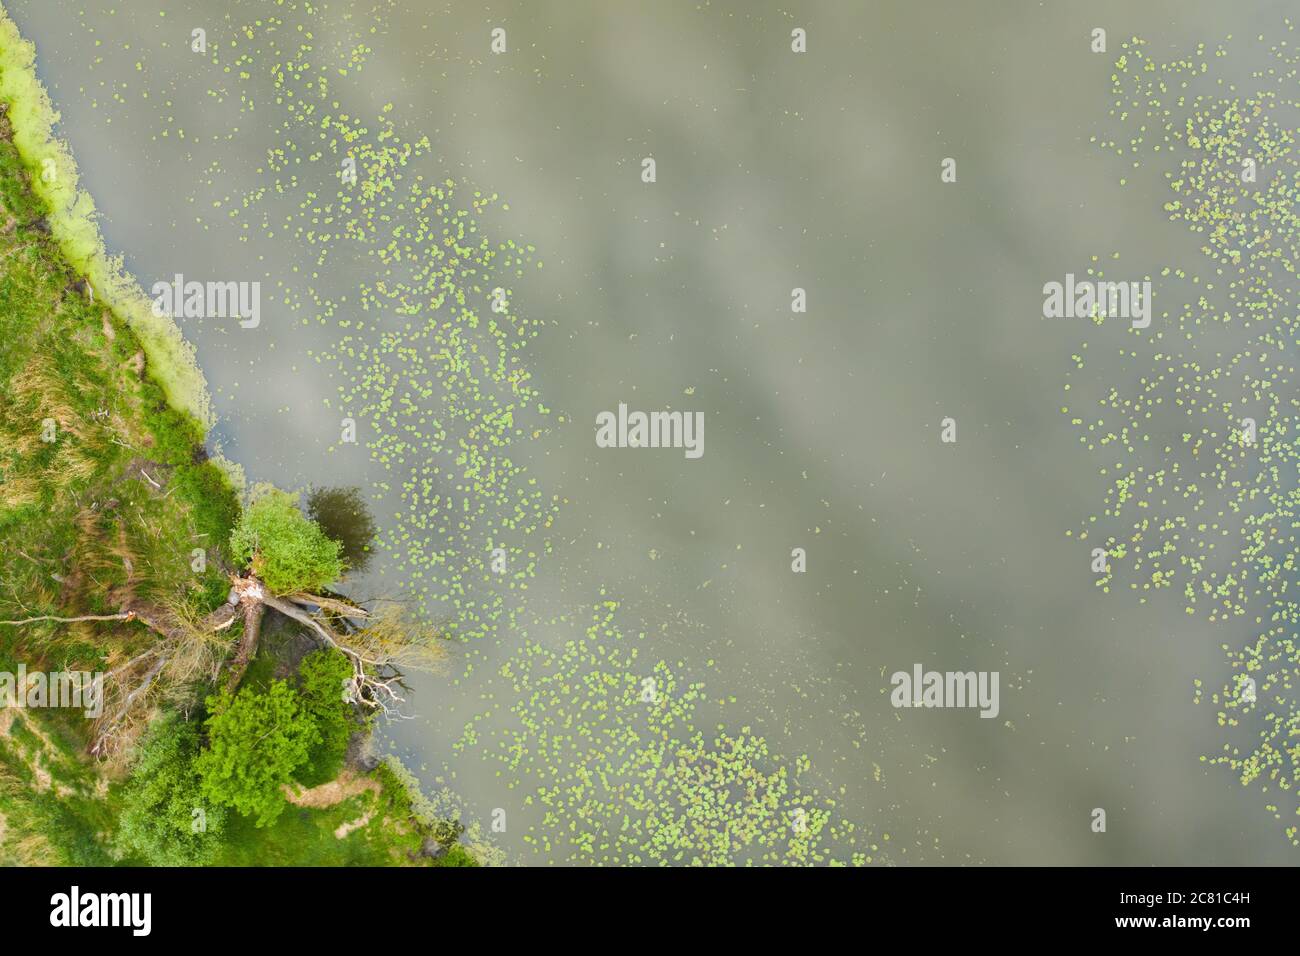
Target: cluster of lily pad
(606, 742)
(1200, 442)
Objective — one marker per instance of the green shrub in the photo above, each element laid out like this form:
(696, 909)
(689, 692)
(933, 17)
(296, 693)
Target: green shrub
(322, 674)
(256, 741)
(282, 547)
(158, 823)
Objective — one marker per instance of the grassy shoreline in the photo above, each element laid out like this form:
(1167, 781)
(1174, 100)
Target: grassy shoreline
(107, 500)
(70, 213)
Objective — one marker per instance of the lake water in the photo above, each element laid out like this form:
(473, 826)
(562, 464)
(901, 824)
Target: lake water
(773, 171)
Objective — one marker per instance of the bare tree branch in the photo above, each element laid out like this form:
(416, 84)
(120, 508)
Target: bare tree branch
(103, 738)
(124, 616)
(342, 608)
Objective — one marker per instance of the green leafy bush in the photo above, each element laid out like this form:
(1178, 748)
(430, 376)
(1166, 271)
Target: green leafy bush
(286, 550)
(159, 823)
(256, 742)
(322, 674)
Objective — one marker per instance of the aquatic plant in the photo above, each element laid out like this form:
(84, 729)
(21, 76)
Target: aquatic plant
(608, 742)
(1201, 450)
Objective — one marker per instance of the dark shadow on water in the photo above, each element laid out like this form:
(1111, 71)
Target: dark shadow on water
(343, 515)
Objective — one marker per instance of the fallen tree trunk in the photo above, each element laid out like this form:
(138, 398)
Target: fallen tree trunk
(368, 688)
(334, 605)
(373, 648)
(253, 612)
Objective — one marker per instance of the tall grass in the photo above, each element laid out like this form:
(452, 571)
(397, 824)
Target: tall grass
(72, 220)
